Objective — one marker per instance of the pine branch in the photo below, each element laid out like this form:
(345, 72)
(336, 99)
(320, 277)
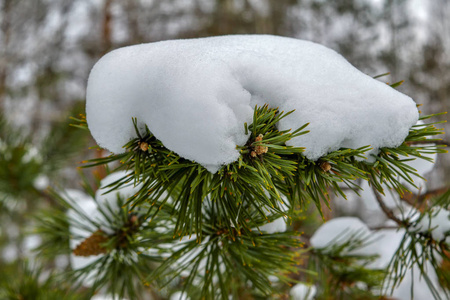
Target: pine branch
(229, 259)
(339, 268)
(266, 171)
(224, 211)
(417, 249)
(420, 201)
(34, 282)
(432, 193)
(391, 164)
(126, 245)
(52, 226)
(257, 180)
(389, 213)
(427, 142)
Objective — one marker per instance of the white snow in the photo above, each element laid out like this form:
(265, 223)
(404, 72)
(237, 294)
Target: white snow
(390, 198)
(106, 297)
(10, 253)
(301, 291)
(387, 243)
(179, 296)
(195, 96)
(340, 230)
(383, 243)
(32, 154)
(276, 226)
(415, 284)
(438, 223)
(104, 198)
(61, 262)
(29, 243)
(41, 182)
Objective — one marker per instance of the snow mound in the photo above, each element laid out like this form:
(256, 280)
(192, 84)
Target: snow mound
(437, 223)
(106, 297)
(301, 291)
(384, 243)
(338, 231)
(179, 296)
(195, 96)
(276, 226)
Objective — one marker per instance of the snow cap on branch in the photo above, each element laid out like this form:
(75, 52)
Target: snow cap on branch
(195, 96)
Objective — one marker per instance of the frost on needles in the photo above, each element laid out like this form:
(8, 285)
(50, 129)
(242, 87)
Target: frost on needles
(195, 95)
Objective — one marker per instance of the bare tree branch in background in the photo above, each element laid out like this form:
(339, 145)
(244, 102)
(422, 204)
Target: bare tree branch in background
(5, 29)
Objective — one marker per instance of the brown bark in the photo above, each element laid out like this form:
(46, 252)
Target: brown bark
(106, 26)
(420, 202)
(389, 213)
(5, 29)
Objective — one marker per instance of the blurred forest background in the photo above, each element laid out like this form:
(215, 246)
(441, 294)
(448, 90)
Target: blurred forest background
(47, 48)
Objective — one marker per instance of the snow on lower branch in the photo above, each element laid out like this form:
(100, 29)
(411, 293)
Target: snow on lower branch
(195, 96)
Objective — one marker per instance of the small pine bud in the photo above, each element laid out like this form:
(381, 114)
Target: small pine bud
(325, 166)
(259, 150)
(143, 146)
(134, 219)
(92, 245)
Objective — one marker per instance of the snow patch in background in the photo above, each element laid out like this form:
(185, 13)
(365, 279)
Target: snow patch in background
(437, 223)
(339, 231)
(195, 96)
(179, 296)
(383, 243)
(106, 297)
(302, 291)
(276, 226)
(105, 199)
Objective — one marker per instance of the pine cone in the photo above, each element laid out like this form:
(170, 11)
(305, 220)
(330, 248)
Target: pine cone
(92, 245)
